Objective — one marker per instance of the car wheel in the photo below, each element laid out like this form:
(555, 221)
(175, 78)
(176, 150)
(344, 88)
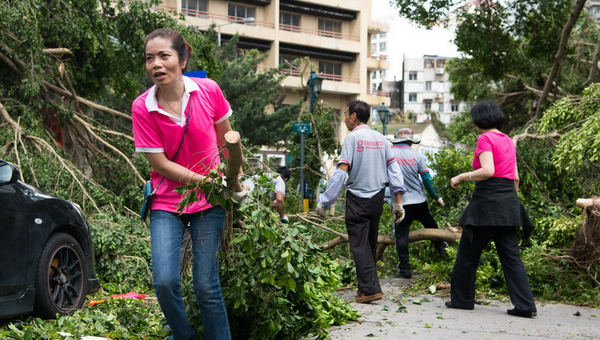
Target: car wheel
(61, 277)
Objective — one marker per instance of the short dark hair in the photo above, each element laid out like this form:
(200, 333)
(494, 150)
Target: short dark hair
(487, 115)
(362, 110)
(284, 172)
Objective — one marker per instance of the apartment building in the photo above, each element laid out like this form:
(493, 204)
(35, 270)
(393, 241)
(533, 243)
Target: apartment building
(593, 6)
(335, 35)
(427, 90)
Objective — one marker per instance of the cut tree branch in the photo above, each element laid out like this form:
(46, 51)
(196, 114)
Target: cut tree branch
(53, 88)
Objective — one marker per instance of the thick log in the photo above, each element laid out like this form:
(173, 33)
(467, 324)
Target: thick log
(448, 235)
(234, 163)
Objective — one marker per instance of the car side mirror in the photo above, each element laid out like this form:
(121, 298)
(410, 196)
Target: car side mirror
(8, 173)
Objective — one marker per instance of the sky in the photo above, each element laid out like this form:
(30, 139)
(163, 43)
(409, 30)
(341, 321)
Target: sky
(405, 38)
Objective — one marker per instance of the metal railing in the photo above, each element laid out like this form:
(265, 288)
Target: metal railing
(322, 33)
(377, 56)
(380, 93)
(209, 15)
(333, 77)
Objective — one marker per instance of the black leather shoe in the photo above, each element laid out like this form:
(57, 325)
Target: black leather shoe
(449, 304)
(404, 273)
(521, 313)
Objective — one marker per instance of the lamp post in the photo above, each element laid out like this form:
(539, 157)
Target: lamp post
(384, 115)
(314, 85)
(249, 20)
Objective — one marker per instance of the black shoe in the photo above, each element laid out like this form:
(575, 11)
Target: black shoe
(521, 313)
(449, 304)
(404, 273)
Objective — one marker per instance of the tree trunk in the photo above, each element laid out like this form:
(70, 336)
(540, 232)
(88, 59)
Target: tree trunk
(586, 246)
(560, 55)
(448, 235)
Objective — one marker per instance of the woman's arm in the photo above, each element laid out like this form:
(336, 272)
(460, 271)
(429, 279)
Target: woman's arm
(222, 128)
(171, 170)
(486, 171)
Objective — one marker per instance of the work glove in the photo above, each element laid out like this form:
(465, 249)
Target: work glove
(284, 219)
(320, 210)
(398, 213)
(239, 196)
(440, 201)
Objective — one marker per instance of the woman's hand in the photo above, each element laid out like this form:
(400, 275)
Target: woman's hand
(455, 181)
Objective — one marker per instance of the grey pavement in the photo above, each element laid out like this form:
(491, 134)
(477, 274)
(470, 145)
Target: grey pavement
(399, 316)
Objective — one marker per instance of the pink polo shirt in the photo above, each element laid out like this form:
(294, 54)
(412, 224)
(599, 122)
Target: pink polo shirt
(156, 131)
(502, 148)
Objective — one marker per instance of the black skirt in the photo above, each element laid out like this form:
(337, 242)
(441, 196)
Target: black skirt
(495, 203)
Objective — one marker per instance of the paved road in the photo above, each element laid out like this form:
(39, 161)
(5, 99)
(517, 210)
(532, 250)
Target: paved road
(425, 317)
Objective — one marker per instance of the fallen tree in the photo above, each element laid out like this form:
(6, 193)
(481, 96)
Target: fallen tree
(449, 234)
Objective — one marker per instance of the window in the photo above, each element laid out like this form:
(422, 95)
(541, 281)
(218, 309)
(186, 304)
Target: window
(331, 68)
(412, 97)
(440, 86)
(195, 8)
(441, 107)
(374, 75)
(382, 47)
(239, 11)
(290, 64)
(454, 107)
(327, 27)
(412, 75)
(288, 21)
(374, 48)
(427, 105)
(382, 35)
(427, 86)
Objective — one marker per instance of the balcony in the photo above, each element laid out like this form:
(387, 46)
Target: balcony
(321, 33)
(377, 62)
(333, 83)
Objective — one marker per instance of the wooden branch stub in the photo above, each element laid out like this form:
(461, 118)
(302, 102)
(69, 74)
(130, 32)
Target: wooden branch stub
(587, 202)
(234, 163)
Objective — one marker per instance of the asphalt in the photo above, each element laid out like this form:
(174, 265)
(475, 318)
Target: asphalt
(398, 316)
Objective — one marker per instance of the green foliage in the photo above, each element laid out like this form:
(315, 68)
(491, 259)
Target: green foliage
(578, 120)
(448, 163)
(113, 318)
(122, 251)
(274, 276)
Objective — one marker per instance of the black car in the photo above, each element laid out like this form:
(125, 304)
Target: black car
(46, 252)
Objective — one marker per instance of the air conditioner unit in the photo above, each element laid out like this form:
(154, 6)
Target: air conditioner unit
(439, 71)
(439, 95)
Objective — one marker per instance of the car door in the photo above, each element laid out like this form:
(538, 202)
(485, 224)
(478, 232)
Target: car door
(13, 239)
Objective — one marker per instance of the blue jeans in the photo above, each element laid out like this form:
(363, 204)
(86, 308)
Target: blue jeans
(206, 229)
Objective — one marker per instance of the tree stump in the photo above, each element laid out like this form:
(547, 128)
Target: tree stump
(586, 246)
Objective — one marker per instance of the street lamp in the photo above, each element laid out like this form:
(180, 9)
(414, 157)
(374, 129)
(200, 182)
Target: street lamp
(315, 83)
(249, 20)
(384, 115)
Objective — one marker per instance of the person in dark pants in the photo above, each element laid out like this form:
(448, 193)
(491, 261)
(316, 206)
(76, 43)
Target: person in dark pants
(414, 169)
(366, 159)
(493, 214)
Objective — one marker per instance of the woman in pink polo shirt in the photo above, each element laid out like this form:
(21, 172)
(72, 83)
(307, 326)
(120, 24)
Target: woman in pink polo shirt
(493, 214)
(179, 124)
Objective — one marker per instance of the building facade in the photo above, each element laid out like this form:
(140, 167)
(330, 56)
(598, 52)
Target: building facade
(331, 37)
(427, 90)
